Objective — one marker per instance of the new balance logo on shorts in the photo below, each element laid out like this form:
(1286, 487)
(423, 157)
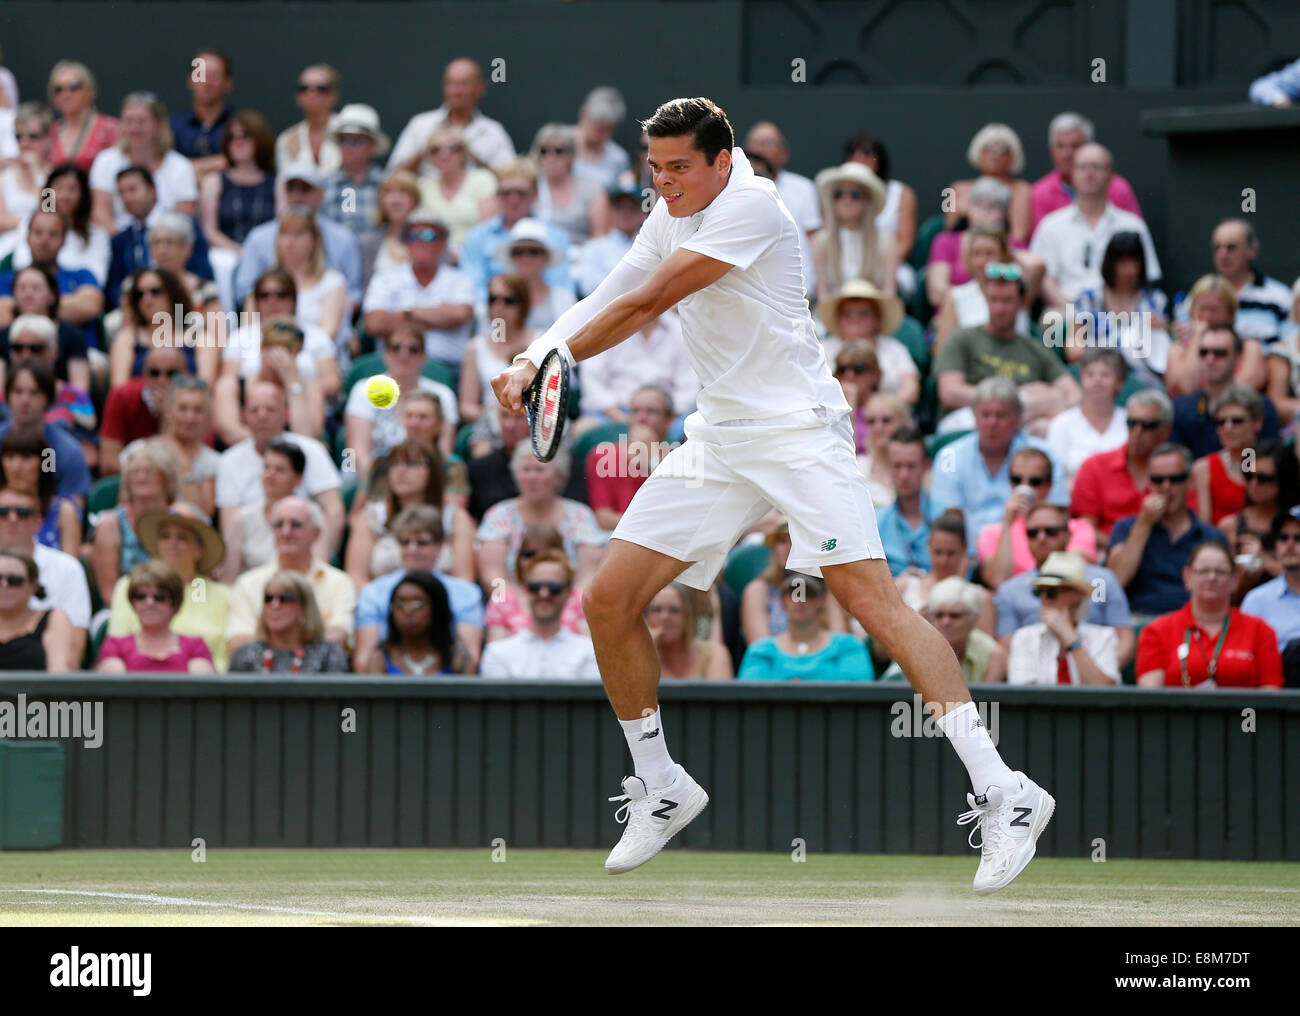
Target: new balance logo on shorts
(667, 807)
(647, 737)
(828, 545)
(1021, 815)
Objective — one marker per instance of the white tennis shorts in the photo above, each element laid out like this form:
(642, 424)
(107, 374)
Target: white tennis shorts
(726, 477)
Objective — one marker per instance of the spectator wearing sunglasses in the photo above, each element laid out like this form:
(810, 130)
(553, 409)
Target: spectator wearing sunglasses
(1048, 530)
(291, 635)
(156, 593)
(22, 456)
(996, 349)
(81, 132)
(1149, 550)
(30, 639)
(36, 293)
(1219, 478)
(1096, 424)
(297, 524)
(421, 640)
(1219, 349)
(1072, 241)
(575, 202)
(492, 351)
(1277, 602)
(424, 292)
(857, 369)
(458, 192)
(1273, 484)
(81, 301)
(1063, 648)
(352, 191)
(30, 392)
(134, 410)
(527, 249)
(310, 140)
(62, 579)
(36, 336)
(1110, 485)
(156, 313)
(850, 248)
(1003, 548)
(545, 648)
(1209, 643)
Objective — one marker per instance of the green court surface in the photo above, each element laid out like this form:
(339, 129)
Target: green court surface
(570, 887)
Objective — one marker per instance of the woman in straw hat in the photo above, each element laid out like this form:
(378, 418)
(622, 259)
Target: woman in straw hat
(859, 310)
(184, 539)
(1063, 648)
(850, 247)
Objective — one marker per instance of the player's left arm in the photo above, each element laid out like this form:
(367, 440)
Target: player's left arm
(678, 276)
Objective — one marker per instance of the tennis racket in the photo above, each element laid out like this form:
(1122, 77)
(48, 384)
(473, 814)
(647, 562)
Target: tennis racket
(546, 403)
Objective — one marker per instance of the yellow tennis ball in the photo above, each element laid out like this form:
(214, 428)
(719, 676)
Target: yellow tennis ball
(382, 391)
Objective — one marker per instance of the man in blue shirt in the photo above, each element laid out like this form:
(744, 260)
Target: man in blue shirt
(1017, 605)
(83, 300)
(1220, 349)
(516, 190)
(29, 393)
(1149, 550)
(905, 525)
(596, 258)
(304, 189)
(973, 473)
(419, 532)
(197, 134)
(1277, 602)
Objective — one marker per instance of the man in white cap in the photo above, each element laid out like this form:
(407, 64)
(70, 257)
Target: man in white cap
(462, 89)
(352, 191)
(304, 189)
(435, 297)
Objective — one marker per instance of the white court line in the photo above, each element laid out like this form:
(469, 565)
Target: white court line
(181, 901)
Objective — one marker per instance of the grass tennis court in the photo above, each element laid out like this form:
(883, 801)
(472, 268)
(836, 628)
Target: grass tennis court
(565, 887)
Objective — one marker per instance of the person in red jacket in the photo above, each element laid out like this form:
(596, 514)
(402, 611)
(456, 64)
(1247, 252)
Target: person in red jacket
(1208, 643)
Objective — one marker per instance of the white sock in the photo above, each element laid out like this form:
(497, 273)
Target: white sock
(645, 740)
(964, 728)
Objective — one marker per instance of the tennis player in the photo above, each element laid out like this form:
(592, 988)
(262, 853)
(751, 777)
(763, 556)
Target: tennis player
(772, 430)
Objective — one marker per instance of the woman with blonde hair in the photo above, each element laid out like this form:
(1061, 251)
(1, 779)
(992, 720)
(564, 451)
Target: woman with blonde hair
(460, 194)
(145, 140)
(674, 624)
(290, 633)
(322, 291)
(81, 132)
(577, 203)
(151, 479)
(384, 248)
(23, 177)
(996, 151)
(309, 139)
(1210, 301)
(850, 247)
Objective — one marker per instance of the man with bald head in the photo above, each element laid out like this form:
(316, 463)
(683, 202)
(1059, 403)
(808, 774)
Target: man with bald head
(1072, 240)
(462, 89)
(798, 192)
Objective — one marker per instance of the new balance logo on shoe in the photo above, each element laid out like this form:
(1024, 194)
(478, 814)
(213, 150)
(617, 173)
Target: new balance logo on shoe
(1021, 815)
(647, 737)
(981, 800)
(667, 807)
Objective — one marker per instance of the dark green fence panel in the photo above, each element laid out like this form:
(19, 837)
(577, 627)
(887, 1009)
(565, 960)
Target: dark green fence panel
(354, 761)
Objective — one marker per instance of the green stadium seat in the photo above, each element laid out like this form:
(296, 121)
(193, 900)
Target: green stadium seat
(939, 441)
(462, 440)
(925, 234)
(911, 333)
(744, 564)
(583, 445)
(103, 495)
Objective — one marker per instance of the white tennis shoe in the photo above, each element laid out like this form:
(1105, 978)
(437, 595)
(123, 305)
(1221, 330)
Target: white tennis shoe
(1009, 823)
(653, 818)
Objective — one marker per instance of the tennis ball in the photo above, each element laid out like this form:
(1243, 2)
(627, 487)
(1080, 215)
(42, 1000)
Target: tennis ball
(382, 391)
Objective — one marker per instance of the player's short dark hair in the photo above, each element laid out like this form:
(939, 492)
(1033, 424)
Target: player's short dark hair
(701, 118)
(910, 435)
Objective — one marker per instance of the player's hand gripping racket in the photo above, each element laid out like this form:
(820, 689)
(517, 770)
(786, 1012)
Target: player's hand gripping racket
(546, 403)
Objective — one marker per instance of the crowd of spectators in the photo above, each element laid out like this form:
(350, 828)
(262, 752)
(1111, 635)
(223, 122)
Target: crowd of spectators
(1084, 472)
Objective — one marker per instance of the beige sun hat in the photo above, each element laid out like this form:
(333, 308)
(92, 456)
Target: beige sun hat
(855, 173)
(890, 308)
(1063, 568)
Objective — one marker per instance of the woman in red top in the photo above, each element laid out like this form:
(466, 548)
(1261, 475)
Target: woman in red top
(155, 591)
(1219, 478)
(81, 132)
(1208, 643)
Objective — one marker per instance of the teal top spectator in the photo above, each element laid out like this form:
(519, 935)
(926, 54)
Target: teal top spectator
(843, 659)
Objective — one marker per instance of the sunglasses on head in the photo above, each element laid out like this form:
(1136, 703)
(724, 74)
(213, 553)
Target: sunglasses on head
(553, 588)
(1221, 354)
(270, 598)
(1157, 481)
(149, 596)
(13, 581)
(272, 294)
(318, 89)
(1144, 424)
(27, 349)
(1036, 531)
(427, 235)
(527, 252)
(1009, 273)
(16, 511)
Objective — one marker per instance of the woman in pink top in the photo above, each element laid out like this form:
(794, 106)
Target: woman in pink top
(155, 592)
(1004, 549)
(81, 132)
(507, 613)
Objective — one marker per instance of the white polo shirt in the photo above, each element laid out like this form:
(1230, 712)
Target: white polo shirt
(1072, 250)
(486, 139)
(563, 655)
(174, 181)
(397, 289)
(239, 476)
(749, 336)
(65, 585)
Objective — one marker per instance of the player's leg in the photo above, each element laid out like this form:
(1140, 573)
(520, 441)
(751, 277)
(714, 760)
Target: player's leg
(1011, 810)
